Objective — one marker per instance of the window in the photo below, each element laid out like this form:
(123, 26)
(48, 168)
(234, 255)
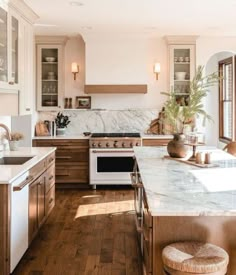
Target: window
(226, 99)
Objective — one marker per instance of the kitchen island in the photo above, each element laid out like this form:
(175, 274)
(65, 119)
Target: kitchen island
(185, 202)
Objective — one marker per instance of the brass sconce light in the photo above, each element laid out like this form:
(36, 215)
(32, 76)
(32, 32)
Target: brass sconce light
(74, 69)
(157, 69)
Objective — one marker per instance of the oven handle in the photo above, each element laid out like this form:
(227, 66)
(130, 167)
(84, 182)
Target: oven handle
(111, 151)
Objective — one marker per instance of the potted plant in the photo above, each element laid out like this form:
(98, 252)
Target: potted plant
(61, 122)
(182, 112)
(14, 141)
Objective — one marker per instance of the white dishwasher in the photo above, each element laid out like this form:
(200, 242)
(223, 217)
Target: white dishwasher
(19, 219)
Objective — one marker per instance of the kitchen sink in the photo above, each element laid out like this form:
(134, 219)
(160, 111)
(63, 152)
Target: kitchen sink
(14, 160)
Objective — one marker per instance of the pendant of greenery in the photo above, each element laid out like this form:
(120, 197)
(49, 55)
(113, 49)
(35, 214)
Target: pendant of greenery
(177, 114)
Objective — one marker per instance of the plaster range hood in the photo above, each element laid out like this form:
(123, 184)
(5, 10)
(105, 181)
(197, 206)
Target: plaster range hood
(114, 64)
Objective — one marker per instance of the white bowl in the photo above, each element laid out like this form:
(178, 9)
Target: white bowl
(180, 75)
(50, 59)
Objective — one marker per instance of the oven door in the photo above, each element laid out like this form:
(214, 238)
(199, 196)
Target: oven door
(111, 166)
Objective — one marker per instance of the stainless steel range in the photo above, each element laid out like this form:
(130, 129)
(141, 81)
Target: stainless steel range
(112, 157)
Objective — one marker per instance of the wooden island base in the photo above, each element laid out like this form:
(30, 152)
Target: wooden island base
(220, 231)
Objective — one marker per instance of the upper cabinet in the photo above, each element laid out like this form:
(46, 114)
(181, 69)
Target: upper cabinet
(9, 48)
(50, 73)
(182, 64)
(16, 52)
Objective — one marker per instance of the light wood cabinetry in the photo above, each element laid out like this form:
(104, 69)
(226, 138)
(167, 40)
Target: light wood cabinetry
(50, 73)
(41, 194)
(155, 142)
(182, 63)
(16, 51)
(72, 159)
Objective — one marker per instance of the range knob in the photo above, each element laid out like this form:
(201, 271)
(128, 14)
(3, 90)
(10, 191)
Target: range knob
(99, 144)
(137, 144)
(123, 144)
(115, 143)
(131, 144)
(107, 144)
(94, 144)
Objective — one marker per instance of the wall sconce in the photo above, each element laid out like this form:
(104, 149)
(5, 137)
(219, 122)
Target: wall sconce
(74, 69)
(157, 69)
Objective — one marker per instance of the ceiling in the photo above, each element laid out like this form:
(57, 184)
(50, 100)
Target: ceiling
(154, 17)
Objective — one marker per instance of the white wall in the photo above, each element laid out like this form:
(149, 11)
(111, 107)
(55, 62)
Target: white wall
(117, 60)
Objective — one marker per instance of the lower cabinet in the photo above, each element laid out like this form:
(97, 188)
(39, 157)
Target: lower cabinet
(41, 198)
(36, 205)
(72, 159)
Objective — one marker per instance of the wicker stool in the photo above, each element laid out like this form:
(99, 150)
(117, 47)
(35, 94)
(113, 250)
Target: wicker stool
(185, 258)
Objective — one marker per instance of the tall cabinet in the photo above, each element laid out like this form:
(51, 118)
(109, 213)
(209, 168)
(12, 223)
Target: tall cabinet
(50, 73)
(182, 64)
(16, 52)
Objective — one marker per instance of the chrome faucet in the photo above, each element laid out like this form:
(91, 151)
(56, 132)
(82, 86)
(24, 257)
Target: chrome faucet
(8, 133)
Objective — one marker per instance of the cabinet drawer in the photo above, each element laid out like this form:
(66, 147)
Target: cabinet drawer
(155, 142)
(50, 178)
(72, 155)
(38, 169)
(50, 200)
(72, 174)
(50, 159)
(63, 143)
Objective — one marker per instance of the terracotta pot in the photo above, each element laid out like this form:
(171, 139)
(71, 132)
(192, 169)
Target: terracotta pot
(176, 147)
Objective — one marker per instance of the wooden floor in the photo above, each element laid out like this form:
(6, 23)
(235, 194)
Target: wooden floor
(88, 232)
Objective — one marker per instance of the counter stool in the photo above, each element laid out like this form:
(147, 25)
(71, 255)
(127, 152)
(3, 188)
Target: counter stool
(185, 258)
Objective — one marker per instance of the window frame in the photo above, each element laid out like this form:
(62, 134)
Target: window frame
(221, 64)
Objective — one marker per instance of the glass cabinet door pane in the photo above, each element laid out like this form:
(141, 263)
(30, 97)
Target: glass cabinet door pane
(3, 45)
(14, 43)
(49, 75)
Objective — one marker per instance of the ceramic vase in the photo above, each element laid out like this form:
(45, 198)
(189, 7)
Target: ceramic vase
(61, 131)
(176, 147)
(14, 145)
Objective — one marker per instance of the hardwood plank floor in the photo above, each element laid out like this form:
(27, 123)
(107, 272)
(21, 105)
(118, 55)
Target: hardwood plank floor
(88, 232)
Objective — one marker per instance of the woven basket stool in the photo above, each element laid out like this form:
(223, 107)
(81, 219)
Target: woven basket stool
(196, 258)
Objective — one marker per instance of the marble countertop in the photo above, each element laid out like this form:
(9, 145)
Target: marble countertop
(63, 137)
(8, 173)
(179, 189)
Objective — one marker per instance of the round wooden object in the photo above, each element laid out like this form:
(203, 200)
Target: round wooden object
(195, 257)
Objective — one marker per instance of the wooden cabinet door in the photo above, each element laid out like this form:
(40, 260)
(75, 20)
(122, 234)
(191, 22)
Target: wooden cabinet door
(41, 199)
(33, 210)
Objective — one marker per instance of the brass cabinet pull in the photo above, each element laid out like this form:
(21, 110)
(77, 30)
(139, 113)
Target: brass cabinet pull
(51, 177)
(50, 201)
(112, 151)
(23, 184)
(51, 160)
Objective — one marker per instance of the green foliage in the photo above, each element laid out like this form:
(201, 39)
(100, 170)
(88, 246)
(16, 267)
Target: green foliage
(182, 112)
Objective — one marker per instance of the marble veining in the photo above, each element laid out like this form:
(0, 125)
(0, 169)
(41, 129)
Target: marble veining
(128, 120)
(179, 189)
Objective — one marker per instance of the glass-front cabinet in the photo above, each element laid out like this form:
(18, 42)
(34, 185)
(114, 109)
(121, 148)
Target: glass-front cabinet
(49, 77)
(182, 65)
(9, 49)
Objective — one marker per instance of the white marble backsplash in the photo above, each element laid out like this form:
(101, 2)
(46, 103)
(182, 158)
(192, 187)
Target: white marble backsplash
(129, 120)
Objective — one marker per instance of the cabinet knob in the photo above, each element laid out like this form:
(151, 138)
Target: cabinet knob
(27, 109)
(11, 82)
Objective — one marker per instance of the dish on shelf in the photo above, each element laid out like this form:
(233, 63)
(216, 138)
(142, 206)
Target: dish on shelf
(50, 102)
(50, 59)
(180, 75)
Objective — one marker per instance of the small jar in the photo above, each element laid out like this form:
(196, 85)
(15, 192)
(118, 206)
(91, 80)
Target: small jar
(207, 158)
(199, 158)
